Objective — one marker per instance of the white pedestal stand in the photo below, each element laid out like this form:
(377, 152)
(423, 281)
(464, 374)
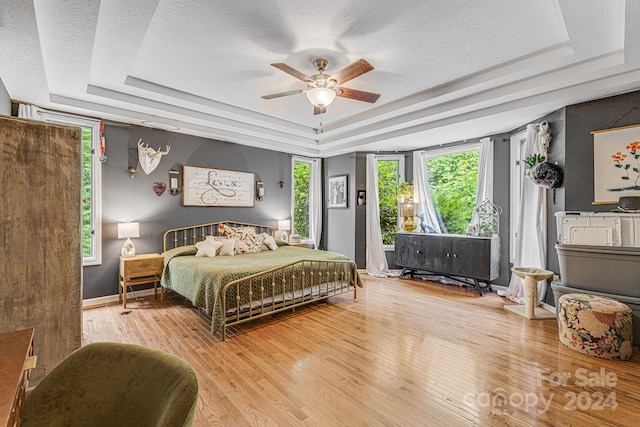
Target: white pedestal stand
(530, 309)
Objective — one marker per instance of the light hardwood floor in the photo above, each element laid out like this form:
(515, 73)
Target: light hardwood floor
(406, 352)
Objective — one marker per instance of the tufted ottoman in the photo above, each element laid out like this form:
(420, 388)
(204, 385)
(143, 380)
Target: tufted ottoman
(596, 326)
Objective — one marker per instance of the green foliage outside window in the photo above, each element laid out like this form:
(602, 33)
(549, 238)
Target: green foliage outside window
(301, 190)
(387, 186)
(453, 179)
(87, 233)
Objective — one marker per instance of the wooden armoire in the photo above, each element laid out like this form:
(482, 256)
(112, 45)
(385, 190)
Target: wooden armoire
(40, 236)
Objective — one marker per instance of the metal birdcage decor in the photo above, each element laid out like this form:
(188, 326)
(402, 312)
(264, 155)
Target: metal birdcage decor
(488, 219)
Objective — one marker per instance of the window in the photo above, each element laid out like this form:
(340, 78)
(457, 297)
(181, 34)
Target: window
(517, 171)
(302, 202)
(453, 179)
(390, 174)
(91, 188)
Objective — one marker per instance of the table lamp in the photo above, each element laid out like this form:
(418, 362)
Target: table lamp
(128, 230)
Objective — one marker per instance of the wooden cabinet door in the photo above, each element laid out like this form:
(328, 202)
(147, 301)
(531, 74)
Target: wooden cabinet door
(471, 257)
(409, 251)
(41, 244)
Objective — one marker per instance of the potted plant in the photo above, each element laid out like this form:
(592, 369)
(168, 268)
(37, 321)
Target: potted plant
(542, 173)
(534, 159)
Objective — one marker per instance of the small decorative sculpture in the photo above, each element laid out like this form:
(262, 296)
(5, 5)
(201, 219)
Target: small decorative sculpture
(424, 227)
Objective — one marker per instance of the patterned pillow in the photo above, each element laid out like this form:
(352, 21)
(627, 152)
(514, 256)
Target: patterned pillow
(247, 241)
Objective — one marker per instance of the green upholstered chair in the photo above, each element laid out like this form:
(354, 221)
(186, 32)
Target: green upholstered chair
(113, 384)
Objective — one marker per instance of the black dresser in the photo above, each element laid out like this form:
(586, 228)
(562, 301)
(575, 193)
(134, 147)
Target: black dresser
(472, 259)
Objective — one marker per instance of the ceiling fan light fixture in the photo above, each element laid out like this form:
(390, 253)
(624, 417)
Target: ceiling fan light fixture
(321, 96)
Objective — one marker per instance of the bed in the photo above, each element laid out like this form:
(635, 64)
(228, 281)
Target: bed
(243, 287)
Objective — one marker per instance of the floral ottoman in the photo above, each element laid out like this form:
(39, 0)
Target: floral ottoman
(595, 326)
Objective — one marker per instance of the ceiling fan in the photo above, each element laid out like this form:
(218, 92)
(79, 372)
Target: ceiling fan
(322, 89)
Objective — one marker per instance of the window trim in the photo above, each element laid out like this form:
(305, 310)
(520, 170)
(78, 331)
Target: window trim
(444, 151)
(96, 178)
(311, 164)
(401, 178)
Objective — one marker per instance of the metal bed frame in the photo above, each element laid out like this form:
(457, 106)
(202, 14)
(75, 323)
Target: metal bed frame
(275, 290)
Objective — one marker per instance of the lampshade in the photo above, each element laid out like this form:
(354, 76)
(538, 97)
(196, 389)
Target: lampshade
(284, 224)
(321, 96)
(128, 229)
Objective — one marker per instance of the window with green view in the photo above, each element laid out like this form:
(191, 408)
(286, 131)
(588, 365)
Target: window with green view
(390, 174)
(453, 179)
(301, 199)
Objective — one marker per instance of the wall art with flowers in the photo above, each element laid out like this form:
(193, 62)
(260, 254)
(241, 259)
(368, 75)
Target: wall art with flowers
(616, 164)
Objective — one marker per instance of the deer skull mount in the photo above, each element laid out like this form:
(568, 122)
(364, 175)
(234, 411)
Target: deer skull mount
(150, 158)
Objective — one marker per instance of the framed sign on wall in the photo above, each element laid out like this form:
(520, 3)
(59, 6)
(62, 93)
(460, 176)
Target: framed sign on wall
(202, 186)
(616, 164)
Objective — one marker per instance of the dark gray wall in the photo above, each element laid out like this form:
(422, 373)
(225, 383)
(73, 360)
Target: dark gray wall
(5, 100)
(340, 222)
(125, 199)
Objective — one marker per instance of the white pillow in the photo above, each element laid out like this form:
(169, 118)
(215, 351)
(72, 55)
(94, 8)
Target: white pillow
(208, 247)
(227, 247)
(270, 242)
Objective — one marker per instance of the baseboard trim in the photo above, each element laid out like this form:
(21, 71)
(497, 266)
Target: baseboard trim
(114, 299)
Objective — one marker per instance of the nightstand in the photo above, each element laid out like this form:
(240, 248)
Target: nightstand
(140, 270)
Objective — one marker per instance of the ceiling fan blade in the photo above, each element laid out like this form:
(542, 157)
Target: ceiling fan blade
(278, 95)
(319, 110)
(349, 72)
(295, 73)
(358, 95)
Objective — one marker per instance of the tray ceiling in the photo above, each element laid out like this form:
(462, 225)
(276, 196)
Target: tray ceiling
(446, 70)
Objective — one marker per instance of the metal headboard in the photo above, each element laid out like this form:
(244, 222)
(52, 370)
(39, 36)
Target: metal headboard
(192, 234)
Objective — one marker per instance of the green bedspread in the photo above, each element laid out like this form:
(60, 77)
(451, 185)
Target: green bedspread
(201, 279)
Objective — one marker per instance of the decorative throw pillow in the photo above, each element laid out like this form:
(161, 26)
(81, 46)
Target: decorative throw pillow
(208, 247)
(247, 241)
(269, 243)
(227, 248)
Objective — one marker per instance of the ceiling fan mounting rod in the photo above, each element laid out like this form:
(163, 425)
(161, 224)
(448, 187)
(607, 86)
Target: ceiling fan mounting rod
(321, 64)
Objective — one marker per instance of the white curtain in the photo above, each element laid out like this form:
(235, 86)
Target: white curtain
(484, 191)
(27, 111)
(376, 258)
(315, 196)
(422, 194)
(530, 246)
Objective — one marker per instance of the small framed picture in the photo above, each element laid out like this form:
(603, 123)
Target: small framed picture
(338, 192)
(362, 197)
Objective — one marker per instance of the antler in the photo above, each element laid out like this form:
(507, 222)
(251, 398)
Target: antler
(142, 147)
(158, 152)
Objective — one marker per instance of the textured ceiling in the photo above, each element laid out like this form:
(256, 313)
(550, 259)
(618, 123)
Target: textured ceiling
(446, 70)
